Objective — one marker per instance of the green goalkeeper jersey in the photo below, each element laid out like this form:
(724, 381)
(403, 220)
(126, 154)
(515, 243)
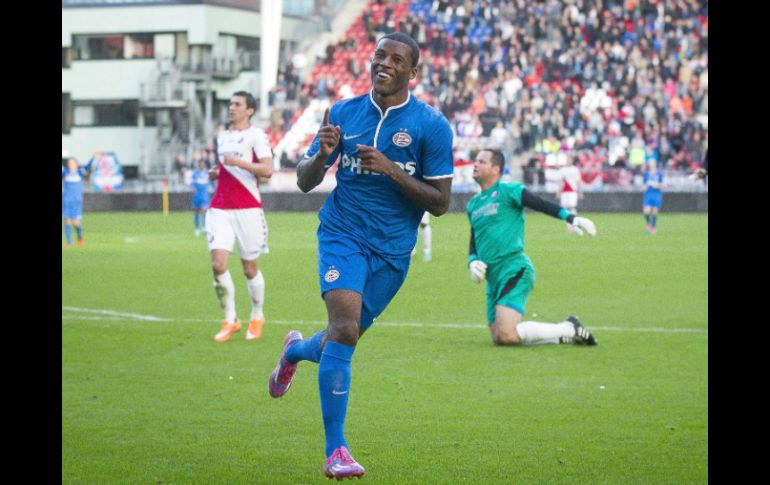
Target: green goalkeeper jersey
(496, 216)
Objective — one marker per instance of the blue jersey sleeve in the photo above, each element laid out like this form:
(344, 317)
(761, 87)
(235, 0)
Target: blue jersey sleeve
(315, 146)
(437, 156)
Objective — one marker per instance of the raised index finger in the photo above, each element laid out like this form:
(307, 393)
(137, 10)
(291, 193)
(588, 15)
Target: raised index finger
(326, 118)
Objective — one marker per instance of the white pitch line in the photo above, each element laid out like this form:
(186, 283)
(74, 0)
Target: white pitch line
(651, 329)
(132, 316)
(84, 317)
(467, 326)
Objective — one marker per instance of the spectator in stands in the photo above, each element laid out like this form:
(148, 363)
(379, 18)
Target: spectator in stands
(561, 67)
(180, 166)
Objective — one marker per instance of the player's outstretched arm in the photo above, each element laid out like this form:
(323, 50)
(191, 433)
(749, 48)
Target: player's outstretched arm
(528, 199)
(310, 171)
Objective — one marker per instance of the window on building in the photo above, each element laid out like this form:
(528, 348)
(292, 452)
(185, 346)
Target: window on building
(182, 54)
(66, 57)
(88, 47)
(66, 113)
(139, 46)
(164, 46)
(106, 113)
(248, 50)
(239, 48)
(150, 117)
(127, 46)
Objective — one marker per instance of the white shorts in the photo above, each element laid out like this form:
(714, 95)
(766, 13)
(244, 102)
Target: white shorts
(569, 200)
(246, 226)
(425, 219)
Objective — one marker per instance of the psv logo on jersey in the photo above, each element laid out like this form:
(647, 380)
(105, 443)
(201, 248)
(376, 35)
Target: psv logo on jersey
(332, 275)
(402, 139)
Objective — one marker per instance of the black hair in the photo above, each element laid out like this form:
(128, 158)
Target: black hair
(251, 102)
(404, 39)
(498, 159)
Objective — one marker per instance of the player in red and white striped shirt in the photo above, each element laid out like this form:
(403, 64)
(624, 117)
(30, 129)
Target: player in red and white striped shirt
(571, 188)
(236, 214)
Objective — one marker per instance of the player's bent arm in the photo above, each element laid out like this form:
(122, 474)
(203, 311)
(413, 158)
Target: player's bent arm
(263, 168)
(310, 172)
(432, 195)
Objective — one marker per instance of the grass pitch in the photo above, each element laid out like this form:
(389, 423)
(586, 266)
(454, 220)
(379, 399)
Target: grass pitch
(149, 398)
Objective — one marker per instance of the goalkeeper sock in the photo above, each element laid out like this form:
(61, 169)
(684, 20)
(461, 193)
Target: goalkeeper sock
(79, 232)
(223, 285)
(534, 333)
(647, 218)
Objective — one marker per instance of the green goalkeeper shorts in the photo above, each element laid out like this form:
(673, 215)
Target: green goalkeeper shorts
(509, 284)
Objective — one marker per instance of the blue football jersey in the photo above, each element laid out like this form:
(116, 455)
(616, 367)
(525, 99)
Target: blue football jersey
(653, 177)
(369, 206)
(72, 189)
(201, 182)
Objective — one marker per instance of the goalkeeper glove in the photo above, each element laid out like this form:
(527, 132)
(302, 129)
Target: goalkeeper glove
(478, 270)
(580, 224)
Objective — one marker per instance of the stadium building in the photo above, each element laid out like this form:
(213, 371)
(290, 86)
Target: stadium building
(149, 79)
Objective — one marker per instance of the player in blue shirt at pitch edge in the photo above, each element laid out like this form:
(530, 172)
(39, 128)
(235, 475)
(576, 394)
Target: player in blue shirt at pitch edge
(201, 185)
(72, 199)
(653, 196)
(396, 163)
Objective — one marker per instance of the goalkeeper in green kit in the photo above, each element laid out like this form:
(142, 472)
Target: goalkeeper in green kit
(496, 254)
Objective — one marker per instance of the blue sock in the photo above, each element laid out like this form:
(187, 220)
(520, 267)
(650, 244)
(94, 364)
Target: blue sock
(333, 386)
(196, 220)
(79, 231)
(306, 349)
(68, 233)
(203, 220)
(653, 220)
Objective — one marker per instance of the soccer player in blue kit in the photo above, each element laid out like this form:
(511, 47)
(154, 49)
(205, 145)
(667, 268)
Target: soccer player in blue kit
(653, 196)
(396, 163)
(72, 199)
(201, 185)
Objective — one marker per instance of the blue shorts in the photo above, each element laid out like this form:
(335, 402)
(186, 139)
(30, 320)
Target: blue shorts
(345, 263)
(72, 209)
(652, 200)
(200, 201)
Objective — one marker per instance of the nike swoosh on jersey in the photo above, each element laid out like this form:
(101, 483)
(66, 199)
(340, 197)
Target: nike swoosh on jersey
(350, 137)
(339, 393)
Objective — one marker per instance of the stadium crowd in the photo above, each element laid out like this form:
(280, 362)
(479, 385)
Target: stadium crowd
(611, 83)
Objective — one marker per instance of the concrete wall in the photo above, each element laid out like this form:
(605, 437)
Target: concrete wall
(593, 202)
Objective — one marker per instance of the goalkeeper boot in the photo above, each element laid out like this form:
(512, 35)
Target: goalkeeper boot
(582, 335)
